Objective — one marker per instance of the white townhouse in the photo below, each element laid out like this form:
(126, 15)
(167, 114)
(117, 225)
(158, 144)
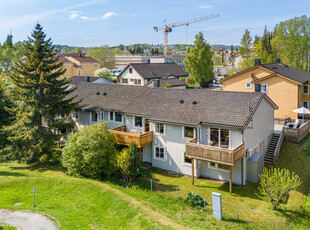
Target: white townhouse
(153, 75)
(198, 132)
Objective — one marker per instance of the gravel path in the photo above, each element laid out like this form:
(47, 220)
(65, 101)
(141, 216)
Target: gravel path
(27, 220)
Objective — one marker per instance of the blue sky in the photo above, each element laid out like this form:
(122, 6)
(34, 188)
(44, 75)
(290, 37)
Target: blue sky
(113, 22)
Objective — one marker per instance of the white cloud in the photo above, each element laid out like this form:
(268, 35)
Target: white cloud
(74, 16)
(88, 18)
(109, 14)
(204, 7)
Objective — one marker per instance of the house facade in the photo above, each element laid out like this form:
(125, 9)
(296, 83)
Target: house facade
(147, 73)
(203, 133)
(286, 86)
(78, 65)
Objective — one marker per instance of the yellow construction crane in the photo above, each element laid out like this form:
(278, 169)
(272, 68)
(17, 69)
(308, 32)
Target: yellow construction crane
(168, 28)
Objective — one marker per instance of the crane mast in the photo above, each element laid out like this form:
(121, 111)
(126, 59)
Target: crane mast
(168, 28)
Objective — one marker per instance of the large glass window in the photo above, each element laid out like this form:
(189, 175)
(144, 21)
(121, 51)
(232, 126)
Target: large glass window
(187, 159)
(138, 121)
(159, 128)
(219, 137)
(224, 138)
(214, 136)
(188, 132)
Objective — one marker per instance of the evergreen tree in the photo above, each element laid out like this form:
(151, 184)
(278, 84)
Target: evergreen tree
(42, 100)
(246, 45)
(198, 61)
(9, 42)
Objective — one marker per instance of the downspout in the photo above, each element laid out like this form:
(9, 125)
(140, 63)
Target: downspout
(242, 160)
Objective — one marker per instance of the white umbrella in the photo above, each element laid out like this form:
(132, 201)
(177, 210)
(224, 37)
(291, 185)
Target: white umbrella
(302, 110)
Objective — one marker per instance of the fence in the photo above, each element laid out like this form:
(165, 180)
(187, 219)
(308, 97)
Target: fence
(296, 135)
(260, 148)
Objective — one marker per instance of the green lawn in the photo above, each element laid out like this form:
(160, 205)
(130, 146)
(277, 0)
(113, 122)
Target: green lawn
(87, 204)
(6, 227)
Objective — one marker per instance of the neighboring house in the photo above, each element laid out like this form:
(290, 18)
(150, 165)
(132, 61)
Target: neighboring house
(143, 73)
(214, 134)
(76, 80)
(78, 64)
(286, 86)
(167, 82)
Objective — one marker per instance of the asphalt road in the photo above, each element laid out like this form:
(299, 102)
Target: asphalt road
(27, 220)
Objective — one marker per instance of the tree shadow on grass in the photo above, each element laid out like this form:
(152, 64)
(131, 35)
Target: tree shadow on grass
(15, 174)
(300, 217)
(39, 168)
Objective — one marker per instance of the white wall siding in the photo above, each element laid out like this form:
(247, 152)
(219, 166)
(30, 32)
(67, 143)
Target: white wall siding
(84, 117)
(134, 75)
(263, 124)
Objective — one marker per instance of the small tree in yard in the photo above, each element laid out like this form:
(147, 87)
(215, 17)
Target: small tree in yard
(128, 162)
(104, 73)
(275, 184)
(198, 61)
(90, 152)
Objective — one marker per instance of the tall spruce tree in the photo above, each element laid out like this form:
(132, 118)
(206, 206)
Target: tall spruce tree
(198, 61)
(246, 44)
(42, 100)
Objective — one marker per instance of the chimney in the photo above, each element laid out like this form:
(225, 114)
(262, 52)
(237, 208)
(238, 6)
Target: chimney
(87, 79)
(156, 82)
(278, 60)
(257, 62)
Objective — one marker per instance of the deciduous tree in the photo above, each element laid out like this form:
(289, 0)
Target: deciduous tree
(246, 45)
(198, 61)
(275, 184)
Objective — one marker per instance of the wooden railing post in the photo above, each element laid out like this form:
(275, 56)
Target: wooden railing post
(192, 171)
(139, 156)
(230, 176)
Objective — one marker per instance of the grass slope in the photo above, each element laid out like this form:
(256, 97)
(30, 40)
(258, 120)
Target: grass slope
(88, 204)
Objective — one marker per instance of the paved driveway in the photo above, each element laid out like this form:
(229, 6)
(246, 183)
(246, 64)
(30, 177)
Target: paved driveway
(27, 220)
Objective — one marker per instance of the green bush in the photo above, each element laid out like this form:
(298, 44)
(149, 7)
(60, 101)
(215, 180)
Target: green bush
(90, 152)
(128, 162)
(194, 199)
(144, 172)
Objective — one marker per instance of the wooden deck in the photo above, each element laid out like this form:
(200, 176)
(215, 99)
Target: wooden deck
(214, 154)
(123, 136)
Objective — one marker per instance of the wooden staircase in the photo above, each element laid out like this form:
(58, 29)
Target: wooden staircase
(269, 156)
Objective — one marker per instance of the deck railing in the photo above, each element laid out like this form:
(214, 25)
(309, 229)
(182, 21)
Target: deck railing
(214, 154)
(125, 137)
(296, 135)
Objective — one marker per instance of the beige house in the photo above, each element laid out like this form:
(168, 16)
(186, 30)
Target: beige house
(78, 64)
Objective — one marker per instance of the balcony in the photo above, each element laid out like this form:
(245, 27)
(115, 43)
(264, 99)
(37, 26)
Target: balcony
(124, 136)
(214, 154)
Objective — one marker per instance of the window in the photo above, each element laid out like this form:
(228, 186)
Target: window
(64, 75)
(130, 70)
(146, 126)
(137, 82)
(305, 104)
(189, 132)
(115, 116)
(248, 85)
(75, 114)
(159, 152)
(111, 116)
(86, 64)
(218, 166)
(306, 89)
(219, 137)
(125, 81)
(214, 137)
(69, 75)
(118, 117)
(159, 128)
(264, 88)
(95, 65)
(82, 65)
(187, 159)
(68, 65)
(224, 138)
(131, 80)
(94, 117)
(138, 121)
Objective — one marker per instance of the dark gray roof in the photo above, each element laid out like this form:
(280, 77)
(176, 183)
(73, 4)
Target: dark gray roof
(289, 72)
(78, 79)
(158, 70)
(163, 105)
(172, 82)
